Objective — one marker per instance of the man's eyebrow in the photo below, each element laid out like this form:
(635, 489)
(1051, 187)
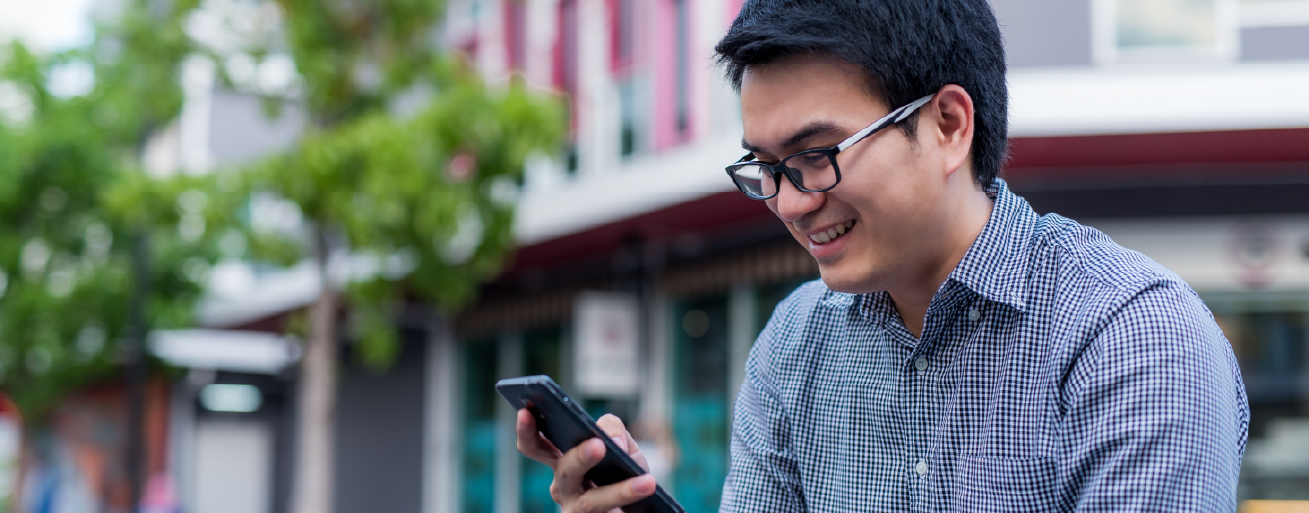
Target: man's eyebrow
(810, 130)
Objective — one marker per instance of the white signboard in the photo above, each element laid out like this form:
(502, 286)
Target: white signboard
(608, 330)
(1223, 254)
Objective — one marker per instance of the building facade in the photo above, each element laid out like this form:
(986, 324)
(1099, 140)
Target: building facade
(1177, 127)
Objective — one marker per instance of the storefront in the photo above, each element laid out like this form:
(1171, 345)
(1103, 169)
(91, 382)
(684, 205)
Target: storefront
(1224, 210)
(699, 299)
(1253, 273)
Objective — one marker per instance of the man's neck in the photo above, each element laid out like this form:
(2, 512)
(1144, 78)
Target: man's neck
(913, 299)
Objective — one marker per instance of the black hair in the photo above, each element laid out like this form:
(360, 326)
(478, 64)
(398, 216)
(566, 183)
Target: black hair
(906, 48)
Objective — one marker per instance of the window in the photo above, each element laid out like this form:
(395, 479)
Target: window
(1170, 23)
(483, 423)
(515, 20)
(673, 92)
(1274, 30)
(1274, 13)
(627, 117)
(565, 74)
(565, 50)
(683, 69)
(622, 36)
(1149, 31)
(622, 65)
(1271, 342)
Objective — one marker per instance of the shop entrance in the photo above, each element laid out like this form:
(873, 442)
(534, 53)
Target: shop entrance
(700, 401)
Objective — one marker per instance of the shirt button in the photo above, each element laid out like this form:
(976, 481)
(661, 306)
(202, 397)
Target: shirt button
(921, 363)
(973, 314)
(921, 467)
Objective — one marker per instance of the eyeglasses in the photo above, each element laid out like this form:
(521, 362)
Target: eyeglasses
(813, 170)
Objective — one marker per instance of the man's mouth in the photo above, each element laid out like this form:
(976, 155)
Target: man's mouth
(832, 233)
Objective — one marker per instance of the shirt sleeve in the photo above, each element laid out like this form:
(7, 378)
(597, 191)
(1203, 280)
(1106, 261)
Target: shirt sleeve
(1156, 418)
(764, 476)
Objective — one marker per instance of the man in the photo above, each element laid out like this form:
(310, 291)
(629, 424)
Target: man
(961, 353)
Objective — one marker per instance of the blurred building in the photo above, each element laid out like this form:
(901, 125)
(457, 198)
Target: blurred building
(1179, 127)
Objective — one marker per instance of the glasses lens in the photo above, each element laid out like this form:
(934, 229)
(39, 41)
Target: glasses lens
(815, 170)
(754, 180)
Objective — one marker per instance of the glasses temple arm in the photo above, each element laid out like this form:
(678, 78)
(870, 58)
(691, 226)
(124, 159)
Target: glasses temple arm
(891, 118)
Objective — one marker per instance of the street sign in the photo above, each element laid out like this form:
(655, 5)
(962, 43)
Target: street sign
(607, 350)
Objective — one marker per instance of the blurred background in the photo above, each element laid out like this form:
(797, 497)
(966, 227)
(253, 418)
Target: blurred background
(270, 256)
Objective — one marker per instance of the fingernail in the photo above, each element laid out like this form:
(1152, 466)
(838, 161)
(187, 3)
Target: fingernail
(620, 442)
(595, 450)
(643, 485)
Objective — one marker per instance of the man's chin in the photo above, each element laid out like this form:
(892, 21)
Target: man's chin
(843, 280)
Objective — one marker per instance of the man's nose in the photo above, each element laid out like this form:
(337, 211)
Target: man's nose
(792, 204)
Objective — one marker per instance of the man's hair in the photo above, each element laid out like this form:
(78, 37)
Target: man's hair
(907, 49)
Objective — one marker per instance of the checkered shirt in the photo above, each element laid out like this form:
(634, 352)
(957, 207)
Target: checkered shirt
(1056, 371)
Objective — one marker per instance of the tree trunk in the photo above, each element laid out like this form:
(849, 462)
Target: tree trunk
(315, 460)
(136, 372)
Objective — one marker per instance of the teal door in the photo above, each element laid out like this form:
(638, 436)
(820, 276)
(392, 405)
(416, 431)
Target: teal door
(700, 419)
(541, 355)
(479, 427)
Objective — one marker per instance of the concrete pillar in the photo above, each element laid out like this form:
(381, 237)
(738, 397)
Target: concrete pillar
(440, 444)
(507, 460)
(742, 318)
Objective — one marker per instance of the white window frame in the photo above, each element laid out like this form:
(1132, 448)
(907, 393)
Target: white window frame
(1105, 50)
(1274, 13)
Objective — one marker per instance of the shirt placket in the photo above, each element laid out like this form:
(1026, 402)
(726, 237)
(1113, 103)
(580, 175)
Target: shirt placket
(921, 371)
(913, 398)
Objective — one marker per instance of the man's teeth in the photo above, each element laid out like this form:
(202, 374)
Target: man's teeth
(831, 233)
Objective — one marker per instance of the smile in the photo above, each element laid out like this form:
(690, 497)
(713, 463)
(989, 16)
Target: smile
(832, 233)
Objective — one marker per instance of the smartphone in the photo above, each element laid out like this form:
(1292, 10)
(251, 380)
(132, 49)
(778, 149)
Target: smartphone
(565, 424)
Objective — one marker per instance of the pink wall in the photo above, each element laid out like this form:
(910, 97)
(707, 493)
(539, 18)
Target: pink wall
(733, 8)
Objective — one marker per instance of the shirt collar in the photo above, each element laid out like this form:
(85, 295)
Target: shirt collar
(995, 266)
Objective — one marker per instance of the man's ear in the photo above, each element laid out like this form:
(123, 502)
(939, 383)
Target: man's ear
(953, 120)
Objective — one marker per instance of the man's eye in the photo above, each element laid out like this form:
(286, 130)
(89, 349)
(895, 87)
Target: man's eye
(814, 159)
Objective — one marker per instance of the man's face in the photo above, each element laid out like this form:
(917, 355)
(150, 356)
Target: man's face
(890, 198)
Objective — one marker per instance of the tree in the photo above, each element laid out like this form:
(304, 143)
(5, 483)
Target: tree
(81, 216)
(427, 199)
(62, 247)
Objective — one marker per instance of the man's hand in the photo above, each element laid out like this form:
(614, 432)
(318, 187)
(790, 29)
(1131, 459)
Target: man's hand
(570, 488)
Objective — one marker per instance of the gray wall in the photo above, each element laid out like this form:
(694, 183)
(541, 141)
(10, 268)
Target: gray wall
(1045, 32)
(240, 130)
(379, 439)
(1274, 43)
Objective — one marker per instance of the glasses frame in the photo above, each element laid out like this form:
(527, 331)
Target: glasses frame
(780, 168)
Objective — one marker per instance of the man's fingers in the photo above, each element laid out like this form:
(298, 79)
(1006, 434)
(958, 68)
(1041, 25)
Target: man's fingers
(622, 493)
(570, 487)
(613, 426)
(549, 447)
(570, 470)
(531, 443)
